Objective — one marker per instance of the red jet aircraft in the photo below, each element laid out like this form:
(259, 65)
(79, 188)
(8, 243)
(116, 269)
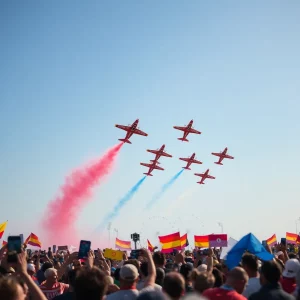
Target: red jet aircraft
(204, 176)
(131, 129)
(190, 160)
(152, 166)
(158, 153)
(186, 130)
(221, 156)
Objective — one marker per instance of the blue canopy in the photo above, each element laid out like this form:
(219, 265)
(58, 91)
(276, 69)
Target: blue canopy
(248, 243)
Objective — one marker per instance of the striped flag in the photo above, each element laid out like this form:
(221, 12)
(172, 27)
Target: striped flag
(170, 242)
(291, 238)
(2, 228)
(217, 240)
(33, 240)
(272, 240)
(123, 245)
(150, 247)
(201, 241)
(184, 241)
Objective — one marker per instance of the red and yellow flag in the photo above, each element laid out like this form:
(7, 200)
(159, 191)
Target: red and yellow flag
(2, 228)
(184, 241)
(150, 247)
(201, 241)
(123, 245)
(33, 240)
(291, 238)
(170, 242)
(272, 240)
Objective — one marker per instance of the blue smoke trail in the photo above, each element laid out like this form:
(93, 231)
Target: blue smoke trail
(121, 203)
(164, 188)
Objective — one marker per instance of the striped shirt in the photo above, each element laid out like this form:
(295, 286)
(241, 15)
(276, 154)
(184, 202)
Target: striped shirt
(57, 289)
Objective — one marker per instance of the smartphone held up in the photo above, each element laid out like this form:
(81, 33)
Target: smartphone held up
(14, 247)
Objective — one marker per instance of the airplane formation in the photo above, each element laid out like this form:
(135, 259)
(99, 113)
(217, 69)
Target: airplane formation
(154, 163)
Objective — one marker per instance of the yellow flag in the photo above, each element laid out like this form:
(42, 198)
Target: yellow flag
(2, 228)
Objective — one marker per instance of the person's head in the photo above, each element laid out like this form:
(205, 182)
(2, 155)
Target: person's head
(270, 273)
(151, 295)
(280, 255)
(237, 278)
(186, 271)
(144, 269)
(174, 285)
(291, 268)
(46, 265)
(292, 255)
(90, 284)
(202, 281)
(134, 262)
(218, 277)
(72, 277)
(30, 269)
(159, 259)
(51, 276)
(11, 289)
(250, 264)
(129, 276)
(160, 276)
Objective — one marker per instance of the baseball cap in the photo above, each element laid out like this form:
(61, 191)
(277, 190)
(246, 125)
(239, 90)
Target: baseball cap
(129, 272)
(291, 268)
(202, 268)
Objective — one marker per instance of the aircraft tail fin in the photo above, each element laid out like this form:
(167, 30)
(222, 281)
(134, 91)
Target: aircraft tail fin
(186, 168)
(201, 182)
(183, 139)
(125, 141)
(218, 163)
(147, 174)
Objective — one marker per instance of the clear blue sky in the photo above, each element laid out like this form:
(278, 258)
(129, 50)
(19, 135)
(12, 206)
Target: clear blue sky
(70, 70)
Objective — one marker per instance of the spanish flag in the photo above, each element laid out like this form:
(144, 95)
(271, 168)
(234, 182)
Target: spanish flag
(170, 242)
(33, 240)
(150, 247)
(2, 228)
(291, 238)
(201, 241)
(184, 241)
(3, 244)
(272, 240)
(123, 245)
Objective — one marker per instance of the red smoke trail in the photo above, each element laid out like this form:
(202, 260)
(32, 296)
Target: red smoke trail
(62, 212)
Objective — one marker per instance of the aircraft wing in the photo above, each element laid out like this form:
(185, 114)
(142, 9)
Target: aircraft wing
(210, 177)
(194, 161)
(217, 154)
(127, 128)
(166, 154)
(192, 130)
(198, 174)
(185, 159)
(153, 151)
(158, 168)
(146, 165)
(228, 156)
(140, 132)
(180, 128)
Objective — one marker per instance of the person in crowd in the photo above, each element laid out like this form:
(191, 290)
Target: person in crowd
(51, 287)
(159, 260)
(270, 281)
(174, 286)
(17, 288)
(186, 270)
(69, 295)
(41, 272)
(250, 265)
(297, 291)
(144, 274)
(219, 278)
(234, 286)
(160, 276)
(202, 281)
(288, 281)
(90, 284)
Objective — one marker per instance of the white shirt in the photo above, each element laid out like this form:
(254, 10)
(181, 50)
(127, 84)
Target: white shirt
(253, 286)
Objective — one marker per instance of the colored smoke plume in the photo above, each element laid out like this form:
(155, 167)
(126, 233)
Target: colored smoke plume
(121, 203)
(62, 213)
(164, 188)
